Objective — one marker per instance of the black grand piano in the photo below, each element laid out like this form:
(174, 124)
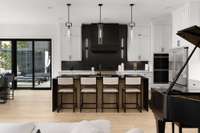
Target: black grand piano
(179, 107)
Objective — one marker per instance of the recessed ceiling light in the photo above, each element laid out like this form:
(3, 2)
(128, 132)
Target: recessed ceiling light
(60, 18)
(49, 7)
(168, 8)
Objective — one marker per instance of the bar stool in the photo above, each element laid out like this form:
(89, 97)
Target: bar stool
(132, 86)
(66, 87)
(110, 87)
(88, 87)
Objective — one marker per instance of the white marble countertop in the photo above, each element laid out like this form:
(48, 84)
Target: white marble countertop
(77, 72)
(89, 72)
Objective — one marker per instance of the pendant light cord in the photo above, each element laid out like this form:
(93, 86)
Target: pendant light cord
(68, 14)
(100, 5)
(100, 14)
(131, 12)
(68, 5)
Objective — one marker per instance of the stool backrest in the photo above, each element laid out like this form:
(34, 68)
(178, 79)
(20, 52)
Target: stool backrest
(65, 81)
(132, 80)
(88, 81)
(110, 81)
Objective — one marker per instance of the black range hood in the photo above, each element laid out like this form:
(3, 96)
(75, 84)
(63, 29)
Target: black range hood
(111, 41)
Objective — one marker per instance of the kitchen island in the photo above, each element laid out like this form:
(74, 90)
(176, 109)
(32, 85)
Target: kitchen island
(99, 75)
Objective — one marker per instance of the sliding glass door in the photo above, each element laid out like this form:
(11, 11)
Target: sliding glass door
(42, 61)
(5, 57)
(24, 64)
(29, 60)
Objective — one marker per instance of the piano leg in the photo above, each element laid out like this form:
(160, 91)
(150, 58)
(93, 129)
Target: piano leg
(180, 129)
(172, 127)
(160, 125)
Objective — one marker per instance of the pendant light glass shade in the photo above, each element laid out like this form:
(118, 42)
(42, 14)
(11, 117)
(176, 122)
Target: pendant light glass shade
(100, 34)
(68, 24)
(100, 27)
(132, 23)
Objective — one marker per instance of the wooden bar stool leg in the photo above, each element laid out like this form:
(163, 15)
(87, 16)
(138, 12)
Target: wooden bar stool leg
(137, 105)
(73, 102)
(81, 99)
(102, 102)
(76, 99)
(61, 103)
(125, 102)
(140, 102)
(122, 99)
(96, 101)
(58, 108)
(117, 101)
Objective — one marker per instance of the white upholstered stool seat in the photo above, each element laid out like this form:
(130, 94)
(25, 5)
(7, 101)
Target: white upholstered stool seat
(132, 90)
(135, 130)
(88, 90)
(110, 90)
(68, 90)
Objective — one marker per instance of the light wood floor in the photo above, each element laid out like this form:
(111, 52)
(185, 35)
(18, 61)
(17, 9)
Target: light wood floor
(36, 106)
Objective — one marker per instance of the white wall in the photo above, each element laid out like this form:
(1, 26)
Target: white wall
(186, 16)
(36, 31)
(70, 47)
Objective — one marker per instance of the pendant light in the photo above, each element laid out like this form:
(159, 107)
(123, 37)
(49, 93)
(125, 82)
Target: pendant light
(68, 24)
(132, 23)
(100, 27)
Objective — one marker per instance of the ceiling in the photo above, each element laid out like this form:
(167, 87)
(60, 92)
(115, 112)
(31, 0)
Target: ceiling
(84, 11)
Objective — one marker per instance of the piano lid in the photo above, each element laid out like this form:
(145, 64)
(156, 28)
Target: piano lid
(191, 34)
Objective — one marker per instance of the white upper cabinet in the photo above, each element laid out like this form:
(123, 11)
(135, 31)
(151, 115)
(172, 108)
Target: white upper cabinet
(161, 37)
(139, 47)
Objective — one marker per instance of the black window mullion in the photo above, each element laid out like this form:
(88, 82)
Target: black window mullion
(14, 61)
(33, 64)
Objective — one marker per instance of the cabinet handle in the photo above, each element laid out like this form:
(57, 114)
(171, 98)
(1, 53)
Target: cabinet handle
(86, 53)
(122, 53)
(86, 43)
(86, 48)
(122, 43)
(122, 48)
